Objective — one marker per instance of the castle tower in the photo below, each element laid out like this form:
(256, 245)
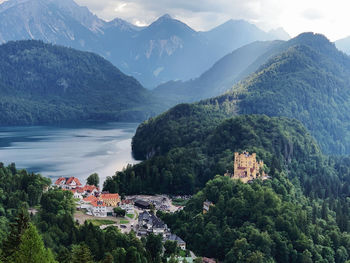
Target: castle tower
(246, 167)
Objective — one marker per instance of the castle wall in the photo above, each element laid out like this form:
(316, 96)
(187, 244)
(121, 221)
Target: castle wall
(246, 167)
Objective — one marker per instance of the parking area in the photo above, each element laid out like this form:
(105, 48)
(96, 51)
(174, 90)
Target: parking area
(160, 202)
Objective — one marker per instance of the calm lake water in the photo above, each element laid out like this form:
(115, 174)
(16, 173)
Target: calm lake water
(69, 150)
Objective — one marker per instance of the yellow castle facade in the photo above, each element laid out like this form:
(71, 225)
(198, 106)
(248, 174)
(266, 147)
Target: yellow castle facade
(246, 167)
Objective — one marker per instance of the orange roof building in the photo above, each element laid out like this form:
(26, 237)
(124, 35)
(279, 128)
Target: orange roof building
(90, 199)
(68, 183)
(106, 199)
(110, 199)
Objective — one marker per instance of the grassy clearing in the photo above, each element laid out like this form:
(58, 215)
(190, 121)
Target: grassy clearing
(179, 202)
(131, 216)
(124, 222)
(100, 222)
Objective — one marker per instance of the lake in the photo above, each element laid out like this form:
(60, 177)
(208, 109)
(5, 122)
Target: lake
(70, 149)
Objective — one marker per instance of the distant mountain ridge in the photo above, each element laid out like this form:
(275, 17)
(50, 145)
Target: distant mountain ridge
(165, 50)
(233, 68)
(44, 83)
(221, 76)
(344, 44)
(307, 78)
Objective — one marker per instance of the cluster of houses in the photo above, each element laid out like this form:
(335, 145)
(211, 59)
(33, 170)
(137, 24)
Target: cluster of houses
(96, 203)
(150, 223)
(101, 204)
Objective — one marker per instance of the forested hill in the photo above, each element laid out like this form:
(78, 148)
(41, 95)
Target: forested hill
(221, 76)
(207, 149)
(43, 83)
(238, 65)
(310, 81)
(300, 214)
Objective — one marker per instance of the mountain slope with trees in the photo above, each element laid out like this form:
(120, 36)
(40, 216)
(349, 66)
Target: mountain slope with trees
(259, 223)
(236, 67)
(186, 165)
(220, 77)
(165, 50)
(42, 83)
(309, 80)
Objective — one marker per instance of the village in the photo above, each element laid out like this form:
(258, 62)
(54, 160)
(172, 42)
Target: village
(138, 213)
(134, 213)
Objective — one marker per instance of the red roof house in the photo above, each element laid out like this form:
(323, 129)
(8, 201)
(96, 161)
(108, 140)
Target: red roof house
(68, 183)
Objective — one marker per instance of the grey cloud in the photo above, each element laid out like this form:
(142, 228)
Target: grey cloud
(201, 14)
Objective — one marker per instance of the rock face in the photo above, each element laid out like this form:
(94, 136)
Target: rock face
(165, 50)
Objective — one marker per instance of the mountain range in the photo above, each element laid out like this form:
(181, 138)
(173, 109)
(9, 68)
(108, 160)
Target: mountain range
(165, 50)
(309, 79)
(226, 72)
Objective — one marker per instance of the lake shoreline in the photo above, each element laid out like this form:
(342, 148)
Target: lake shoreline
(69, 149)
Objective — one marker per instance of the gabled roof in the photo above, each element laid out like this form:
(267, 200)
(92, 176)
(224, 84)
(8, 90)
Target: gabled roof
(59, 180)
(151, 219)
(73, 179)
(110, 196)
(90, 198)
(90, 188)
(176, 238)
(142, 203)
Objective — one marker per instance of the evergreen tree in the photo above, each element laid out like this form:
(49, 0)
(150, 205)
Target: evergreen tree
(11, 244)
(32, 249)
(108, 258)
(170, 247)
(81, 254)
(154, 246)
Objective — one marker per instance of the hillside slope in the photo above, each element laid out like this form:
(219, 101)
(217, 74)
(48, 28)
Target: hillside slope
(206, 149)
(228, 71)
(309, 81)
(221, 76)
(42, 83)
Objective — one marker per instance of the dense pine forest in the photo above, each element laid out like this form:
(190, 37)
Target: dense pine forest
(44, 83)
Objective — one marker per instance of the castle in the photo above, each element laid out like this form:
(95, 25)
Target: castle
(247, 168)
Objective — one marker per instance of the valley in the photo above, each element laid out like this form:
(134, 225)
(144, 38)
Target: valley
(150, 140)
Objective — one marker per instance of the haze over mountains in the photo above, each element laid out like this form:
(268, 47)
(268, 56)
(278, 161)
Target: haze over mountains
(228, 71)
(165, 50)
(344, 45)
(306, 78)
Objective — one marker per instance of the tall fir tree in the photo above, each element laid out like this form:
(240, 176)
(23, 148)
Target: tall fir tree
(13, 240)
(32, 249)
(81, 254)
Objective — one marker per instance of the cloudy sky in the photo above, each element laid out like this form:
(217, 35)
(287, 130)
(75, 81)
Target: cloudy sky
(324, 16)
